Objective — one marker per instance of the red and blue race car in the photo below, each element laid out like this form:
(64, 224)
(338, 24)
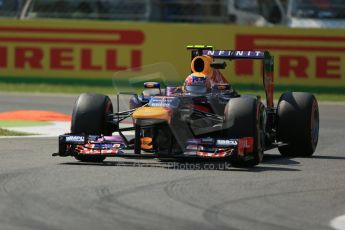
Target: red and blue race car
(194, 121)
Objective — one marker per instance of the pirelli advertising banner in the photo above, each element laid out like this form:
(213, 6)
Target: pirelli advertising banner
(62, 50)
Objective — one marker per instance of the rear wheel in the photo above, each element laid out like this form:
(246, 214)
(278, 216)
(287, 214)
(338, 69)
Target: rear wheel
(298, 124)
(244, 117)
(90, 117)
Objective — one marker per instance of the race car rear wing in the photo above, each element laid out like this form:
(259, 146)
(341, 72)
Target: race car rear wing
(265, 56)
(235, 54)
(199, 50)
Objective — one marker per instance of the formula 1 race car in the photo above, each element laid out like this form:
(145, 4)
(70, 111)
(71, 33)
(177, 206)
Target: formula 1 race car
(193, 122)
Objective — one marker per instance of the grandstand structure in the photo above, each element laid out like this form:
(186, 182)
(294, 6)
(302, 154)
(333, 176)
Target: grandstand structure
(134, 10)
(291, 13)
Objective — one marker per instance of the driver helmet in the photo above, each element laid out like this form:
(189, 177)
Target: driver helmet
(197, 83)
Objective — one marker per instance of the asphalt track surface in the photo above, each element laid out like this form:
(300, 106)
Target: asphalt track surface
(38, 191)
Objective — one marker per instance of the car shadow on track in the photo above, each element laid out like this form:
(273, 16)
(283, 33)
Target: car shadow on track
(270, 163)
(278, 160)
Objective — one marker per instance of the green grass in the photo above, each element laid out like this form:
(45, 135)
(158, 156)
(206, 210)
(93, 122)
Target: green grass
(109, 90)
(19, 123)
(54, 88)
(5, 132)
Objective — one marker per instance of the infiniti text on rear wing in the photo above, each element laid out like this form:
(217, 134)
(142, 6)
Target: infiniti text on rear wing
(234, 54)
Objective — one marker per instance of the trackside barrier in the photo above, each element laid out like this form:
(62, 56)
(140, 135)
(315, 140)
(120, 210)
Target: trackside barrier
(91, 51)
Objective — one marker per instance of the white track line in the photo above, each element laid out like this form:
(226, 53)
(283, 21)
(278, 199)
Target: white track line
(54, 130)
(26, 137)
(338, 223)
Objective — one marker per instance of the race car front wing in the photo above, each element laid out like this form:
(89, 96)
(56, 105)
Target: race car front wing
(116, 146)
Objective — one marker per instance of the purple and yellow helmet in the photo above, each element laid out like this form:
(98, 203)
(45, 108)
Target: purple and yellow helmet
(197, 83)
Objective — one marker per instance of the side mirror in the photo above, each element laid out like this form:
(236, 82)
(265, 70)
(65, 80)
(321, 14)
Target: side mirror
(151, 88)
(152, 85)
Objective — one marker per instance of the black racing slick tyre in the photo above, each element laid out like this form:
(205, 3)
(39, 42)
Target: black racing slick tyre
(298, 124)
(89, 117)
(244, 117)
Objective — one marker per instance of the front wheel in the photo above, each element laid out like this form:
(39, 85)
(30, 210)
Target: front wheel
(244, 117)
(90, 117)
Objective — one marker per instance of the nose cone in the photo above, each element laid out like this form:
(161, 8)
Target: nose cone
(152, 113)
